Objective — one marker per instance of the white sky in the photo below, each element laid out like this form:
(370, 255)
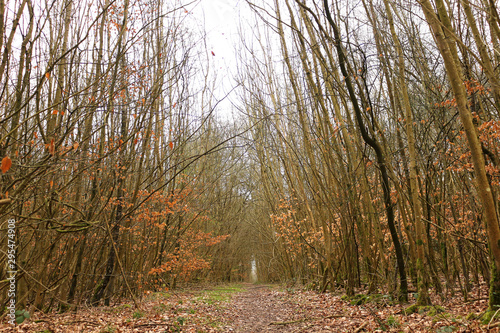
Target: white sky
(221, 20)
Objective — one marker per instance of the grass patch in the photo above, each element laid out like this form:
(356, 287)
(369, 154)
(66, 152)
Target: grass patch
(157, 295)
(221, 294)
(138, 315)
(393, 321)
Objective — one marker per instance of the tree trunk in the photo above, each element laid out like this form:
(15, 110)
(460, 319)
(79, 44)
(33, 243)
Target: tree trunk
(448, 51)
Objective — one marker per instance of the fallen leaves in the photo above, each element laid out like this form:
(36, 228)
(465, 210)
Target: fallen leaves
(256, 308)
(193, 310)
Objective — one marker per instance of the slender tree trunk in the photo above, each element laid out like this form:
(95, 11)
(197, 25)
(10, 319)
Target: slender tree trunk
(403, 288)
(447, 49)
(423, 294)
(115, 230)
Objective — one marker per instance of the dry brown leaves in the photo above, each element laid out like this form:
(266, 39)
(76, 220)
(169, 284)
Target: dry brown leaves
(258, 309)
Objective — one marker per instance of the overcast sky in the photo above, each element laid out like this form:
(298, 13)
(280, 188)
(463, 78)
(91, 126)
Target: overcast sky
(221, 19)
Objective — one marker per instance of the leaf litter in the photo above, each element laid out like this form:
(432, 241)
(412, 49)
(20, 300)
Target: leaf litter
(262, 308)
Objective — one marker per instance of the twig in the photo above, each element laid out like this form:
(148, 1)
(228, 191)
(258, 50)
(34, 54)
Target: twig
(361, 327)
(81, 321)
(492, 325)
(492, 317)
(305, 319)
(477, 299)
(5, 201)
(152, 324)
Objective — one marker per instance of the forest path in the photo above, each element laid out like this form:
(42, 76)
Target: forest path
(260, 308)
(246, 308)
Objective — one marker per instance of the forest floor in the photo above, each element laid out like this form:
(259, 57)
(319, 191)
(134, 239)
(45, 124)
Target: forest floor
(261, 308)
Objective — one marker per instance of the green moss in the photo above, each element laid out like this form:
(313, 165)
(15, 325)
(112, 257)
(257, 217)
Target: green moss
(471, 316)
(411, 309)
(358, 299)
(374, 297)
(488, 316)
(443, 316)
(436, 309)
(361, 299)
(430, 310)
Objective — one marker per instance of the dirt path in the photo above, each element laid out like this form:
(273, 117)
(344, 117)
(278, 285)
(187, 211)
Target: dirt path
(261, 309)
(252, 308)
(270, 309)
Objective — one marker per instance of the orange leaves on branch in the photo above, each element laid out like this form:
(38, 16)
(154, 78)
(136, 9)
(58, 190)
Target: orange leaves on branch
(47, 75)
(474, 86)
(75, 145)
(447, 103)
(213, 53)
(189, 257)
(51, 147)
(171, 145)
(6, 164)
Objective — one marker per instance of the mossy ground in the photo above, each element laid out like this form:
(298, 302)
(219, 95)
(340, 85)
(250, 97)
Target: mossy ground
(430, 310)
(361, 299)
(489, 316)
